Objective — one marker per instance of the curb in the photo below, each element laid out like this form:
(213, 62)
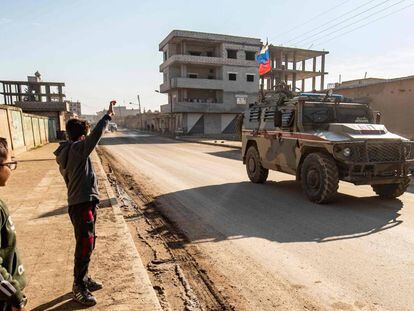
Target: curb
(209, 143)
(138, 269)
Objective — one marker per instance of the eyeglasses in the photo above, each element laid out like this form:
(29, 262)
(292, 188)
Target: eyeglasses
(11, 165)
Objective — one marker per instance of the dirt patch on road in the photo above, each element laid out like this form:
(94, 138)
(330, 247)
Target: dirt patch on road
(180, 273)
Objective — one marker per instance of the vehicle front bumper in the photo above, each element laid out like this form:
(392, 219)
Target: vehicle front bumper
(376, 173)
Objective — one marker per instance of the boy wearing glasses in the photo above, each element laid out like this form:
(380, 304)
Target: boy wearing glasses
(77, 170)
(12, 278)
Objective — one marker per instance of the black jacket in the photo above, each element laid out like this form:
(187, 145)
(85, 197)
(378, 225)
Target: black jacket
(76, 166)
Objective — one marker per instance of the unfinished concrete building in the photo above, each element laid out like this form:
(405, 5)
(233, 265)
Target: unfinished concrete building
(209, 79)
(296, 66)
(38, 97)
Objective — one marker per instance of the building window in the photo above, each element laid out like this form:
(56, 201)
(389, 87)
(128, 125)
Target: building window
(192, 75)
(232, 76)
(165, 56)
(209, 54)
(194, 53)
(231, 53)
(250, 77)
(250, 55)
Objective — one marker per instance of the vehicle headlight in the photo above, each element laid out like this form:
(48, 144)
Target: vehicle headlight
(346, 152)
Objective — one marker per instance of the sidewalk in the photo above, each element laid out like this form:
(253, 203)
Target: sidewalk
(36, 197)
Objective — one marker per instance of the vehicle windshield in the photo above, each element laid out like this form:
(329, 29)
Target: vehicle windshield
(325, 113)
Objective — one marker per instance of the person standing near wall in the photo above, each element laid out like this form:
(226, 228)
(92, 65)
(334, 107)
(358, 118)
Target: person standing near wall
(12, 277)
(77, 170)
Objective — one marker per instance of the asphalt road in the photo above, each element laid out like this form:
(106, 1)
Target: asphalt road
(278, 250)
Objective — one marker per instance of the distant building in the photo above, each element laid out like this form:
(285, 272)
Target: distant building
(38, 97)
(120, 112)
(209, 79)
(74, 107)
(394, 98)
(91, 118)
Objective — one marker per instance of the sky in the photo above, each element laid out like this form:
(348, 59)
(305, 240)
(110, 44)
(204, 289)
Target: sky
(108, 49)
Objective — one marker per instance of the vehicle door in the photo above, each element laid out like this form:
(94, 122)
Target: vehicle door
(281, 154)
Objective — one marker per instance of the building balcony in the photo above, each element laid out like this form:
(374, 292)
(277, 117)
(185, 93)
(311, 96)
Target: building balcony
(206, 60)
(192, 83)
(190, 107)
(164, 87)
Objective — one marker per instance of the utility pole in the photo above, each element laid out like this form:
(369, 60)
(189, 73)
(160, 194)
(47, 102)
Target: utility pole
(139, 104)
(139, 109)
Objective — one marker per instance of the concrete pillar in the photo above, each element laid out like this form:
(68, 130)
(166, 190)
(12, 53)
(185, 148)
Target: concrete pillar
(184, 47)
(19, 90)
(303, 80)
(286, 62)
(278, 64)
(323, 72)
(314, 78)
(48, 99)
(60, 93)
(294, 73)
(183, 71)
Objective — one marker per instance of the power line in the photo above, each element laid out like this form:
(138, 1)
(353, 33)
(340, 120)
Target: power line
(366, 24)
(310, 20)
(331, 20)
(353, 23)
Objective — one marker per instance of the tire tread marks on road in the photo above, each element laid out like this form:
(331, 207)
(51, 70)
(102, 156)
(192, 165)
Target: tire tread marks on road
(180, 282)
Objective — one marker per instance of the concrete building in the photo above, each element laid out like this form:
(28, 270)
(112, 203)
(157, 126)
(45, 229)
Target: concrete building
(295, 66)
(209, 79)
(91, 118)
(38, 97)
(74, 107)
(394, 98)
(120, 112)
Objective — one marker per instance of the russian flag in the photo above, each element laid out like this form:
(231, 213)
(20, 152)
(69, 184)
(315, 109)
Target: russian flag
(264, 60)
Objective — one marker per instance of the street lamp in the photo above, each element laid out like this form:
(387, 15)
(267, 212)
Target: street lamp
(157, 91)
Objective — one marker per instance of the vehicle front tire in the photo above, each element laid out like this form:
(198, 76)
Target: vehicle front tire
(391, 191)
(319, 178)
(256, 172)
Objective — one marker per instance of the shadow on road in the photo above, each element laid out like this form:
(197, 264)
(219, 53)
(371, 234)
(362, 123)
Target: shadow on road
(228, 154)
(276, 211)
(136, 138)
(63, 303)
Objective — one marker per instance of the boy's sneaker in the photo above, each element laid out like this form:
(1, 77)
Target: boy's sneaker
(92, 285)
(82, 295)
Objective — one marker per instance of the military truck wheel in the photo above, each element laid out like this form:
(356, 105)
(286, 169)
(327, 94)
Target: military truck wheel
(319, 177)
(256, 172)
(391, 191)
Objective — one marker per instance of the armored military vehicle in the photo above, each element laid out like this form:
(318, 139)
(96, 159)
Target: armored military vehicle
(323, 138)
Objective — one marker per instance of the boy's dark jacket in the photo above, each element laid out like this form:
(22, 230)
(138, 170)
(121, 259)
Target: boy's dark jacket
(12, 278)
(76, 166)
